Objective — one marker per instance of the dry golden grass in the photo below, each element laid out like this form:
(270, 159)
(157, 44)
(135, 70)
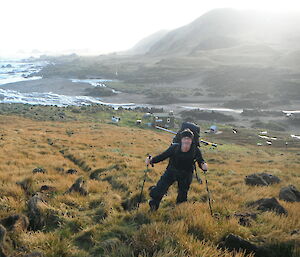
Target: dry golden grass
(97, 224)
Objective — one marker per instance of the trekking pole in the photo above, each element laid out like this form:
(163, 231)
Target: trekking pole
(145, 176)
(197, 175)
(208, 193)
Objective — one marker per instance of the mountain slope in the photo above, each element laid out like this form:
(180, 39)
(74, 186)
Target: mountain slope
(221, 28)
(145, 44)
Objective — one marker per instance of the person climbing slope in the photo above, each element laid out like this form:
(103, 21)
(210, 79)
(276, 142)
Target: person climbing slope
(182, 157)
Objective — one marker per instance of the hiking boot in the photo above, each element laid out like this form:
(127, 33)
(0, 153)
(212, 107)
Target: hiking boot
(153, 205)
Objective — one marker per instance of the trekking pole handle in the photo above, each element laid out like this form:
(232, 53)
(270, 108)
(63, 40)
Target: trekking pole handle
(149, 157)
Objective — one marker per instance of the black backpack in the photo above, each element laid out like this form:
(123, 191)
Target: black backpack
(193, 127)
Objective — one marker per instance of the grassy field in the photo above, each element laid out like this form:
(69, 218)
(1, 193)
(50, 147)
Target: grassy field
(110, 159)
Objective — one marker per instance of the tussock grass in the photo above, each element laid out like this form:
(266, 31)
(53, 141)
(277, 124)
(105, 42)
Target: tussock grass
(105, 222)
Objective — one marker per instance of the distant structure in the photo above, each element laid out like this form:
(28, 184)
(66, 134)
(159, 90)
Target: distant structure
(293, 115)
(165, 120)
(115, 119)
(213, 129)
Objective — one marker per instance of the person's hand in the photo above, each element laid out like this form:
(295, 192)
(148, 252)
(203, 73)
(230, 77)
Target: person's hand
(148, 159)
(204, 167)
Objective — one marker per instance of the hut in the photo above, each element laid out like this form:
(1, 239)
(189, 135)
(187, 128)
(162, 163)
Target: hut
(165, 120)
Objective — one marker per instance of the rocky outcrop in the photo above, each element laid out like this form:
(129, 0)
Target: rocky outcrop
(289, 194)
(2, 240)
(245, 219)
(71, 171)
(41, 215)
(269, 204)
(46, 188)
(261, 179)
(35, 209)
(15, 222)
(39, 170)
(78, 186)
(233, 242)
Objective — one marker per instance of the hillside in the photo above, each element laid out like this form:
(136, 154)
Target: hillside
(145, 44)
(39, 156)
(225, 28)
(215, 60)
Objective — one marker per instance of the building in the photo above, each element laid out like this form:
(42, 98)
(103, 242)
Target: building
(165, 120)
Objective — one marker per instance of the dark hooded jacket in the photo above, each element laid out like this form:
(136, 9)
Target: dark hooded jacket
(178, 160)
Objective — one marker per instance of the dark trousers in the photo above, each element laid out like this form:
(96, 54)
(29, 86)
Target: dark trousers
(184, 180)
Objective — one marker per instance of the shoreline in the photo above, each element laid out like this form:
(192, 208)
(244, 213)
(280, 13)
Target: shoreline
(59, 86)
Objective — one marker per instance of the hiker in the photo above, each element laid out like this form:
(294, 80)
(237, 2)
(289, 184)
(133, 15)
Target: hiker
(182, 157)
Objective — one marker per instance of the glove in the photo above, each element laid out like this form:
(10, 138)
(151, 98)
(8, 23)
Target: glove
(204, 167)
(148, 161)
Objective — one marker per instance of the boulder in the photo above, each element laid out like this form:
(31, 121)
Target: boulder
(15, 222)
(269, 204)
(2, 235)
(71, 171)
(35, 207)
(295, 232)
(245, 218)
(289, 194)
(47, 188)
(60, 169)
(78, 186)
(236, 243)
(41, 215)
(39, 170)
(261, 179)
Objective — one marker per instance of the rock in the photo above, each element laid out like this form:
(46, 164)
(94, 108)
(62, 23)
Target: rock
(79, 186)
(269, 204)
(35, 206)
(261, 179)
(245, 218)
(71, 171)
(295, 232)
(15, 222)
(2, 235)
(40, 214)
(47, 188)
(289, 194)
(233, 242)
(39, 170)
(59, 169)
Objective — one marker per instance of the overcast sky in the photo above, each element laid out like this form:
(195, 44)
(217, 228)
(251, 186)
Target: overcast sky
(103, 25)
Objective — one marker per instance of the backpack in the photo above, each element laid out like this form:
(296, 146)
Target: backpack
(193, 127)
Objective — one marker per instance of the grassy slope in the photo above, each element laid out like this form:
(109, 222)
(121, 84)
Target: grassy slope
(97, 224)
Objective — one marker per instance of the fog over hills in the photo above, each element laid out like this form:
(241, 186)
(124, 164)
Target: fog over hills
(223, 28)
(145, 44)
